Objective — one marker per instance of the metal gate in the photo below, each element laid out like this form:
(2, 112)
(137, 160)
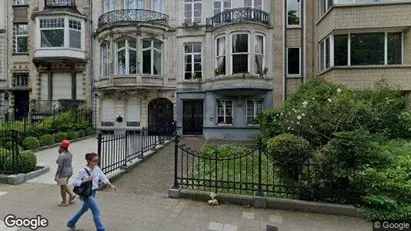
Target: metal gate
(9, 151)
(160, 117)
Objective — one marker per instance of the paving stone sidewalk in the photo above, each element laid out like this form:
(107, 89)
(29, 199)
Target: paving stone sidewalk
(125, 211)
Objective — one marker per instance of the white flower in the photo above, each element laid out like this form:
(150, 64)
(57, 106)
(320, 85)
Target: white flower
(298, 117)
(339, 90)
(298, 122)
(330, 100)
(305, 103)
(289, 128)
(303, 114)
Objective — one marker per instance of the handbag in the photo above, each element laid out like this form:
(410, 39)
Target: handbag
(85, 189)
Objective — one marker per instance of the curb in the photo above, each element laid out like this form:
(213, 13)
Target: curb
(23, 177)
(276, 203)
(57, 144)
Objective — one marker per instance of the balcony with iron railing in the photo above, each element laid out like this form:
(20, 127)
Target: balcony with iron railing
(235, 15)
(60, 3)
(128, 16)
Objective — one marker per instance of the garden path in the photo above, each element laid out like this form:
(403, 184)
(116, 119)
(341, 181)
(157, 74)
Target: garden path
(48, 158)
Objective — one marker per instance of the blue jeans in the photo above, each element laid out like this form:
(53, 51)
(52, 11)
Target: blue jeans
(91, 204)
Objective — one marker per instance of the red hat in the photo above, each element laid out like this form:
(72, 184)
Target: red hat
(65, 144)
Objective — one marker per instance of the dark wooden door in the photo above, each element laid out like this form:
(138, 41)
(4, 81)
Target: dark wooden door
(21, 104)
(193, 117)
(160, 117)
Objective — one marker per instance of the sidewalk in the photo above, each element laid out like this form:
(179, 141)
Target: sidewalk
(125, 211)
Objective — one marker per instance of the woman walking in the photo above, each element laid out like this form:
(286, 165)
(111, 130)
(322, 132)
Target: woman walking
(64, 172)
(91, 172)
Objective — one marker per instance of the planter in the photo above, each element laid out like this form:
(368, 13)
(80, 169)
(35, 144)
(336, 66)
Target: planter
(23, 177)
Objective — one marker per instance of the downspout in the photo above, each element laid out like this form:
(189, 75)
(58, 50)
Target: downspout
(6, 60)
(285, 62)
(303, 42)
(92, 98)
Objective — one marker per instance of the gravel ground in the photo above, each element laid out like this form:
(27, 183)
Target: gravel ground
(156, 174)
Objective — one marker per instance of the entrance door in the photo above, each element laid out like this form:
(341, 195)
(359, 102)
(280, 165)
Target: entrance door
(21, 104)
(193, 117)
(160, 117)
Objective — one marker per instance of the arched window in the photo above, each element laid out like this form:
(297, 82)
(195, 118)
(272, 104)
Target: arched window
(152, 57)
(126, 57)
(105, 59)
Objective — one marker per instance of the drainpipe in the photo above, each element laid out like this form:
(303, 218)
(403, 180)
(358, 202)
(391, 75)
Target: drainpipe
(285, 62)
(92, 98)
(6, 60)
(303, 42)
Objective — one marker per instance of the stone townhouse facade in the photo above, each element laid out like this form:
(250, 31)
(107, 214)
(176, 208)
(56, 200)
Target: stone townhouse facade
(3, 59)
(47, 54)
(206, 67)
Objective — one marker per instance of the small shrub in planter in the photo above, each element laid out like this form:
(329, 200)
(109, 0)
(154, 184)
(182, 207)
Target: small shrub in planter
(25, 163)
(60, 136)
(4, 155)
(47, 140)
(89, 131)
(72, 135)
(81, 133)
(30, 143)
(289, 152)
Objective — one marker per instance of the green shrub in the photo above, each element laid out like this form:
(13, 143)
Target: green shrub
(60, 136)
(30, 143)
(81, 133)
(289, 153)
(47, 140)
(4, 155)
(224, 151)
(71, 135)
(89, 131)
(26, 162)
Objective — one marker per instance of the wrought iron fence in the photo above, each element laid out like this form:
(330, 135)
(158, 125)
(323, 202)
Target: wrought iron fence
(246, 14)
(132, 15)
(116, 151)
(9, 152)
(256, 172)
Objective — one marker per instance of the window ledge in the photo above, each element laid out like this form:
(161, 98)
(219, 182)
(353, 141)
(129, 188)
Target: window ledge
(294, 27)
(363, 67)
(294, 76)
(225, 125)
(20, 53)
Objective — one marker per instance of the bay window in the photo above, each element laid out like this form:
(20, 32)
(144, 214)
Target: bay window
(192, 11)
(357, 49)
(105, 59)
(240, 52)
(21, 2)
(193, 61)
(221, 56)
(257, 4)
(324, 5)
(21, 38)
(152, 57)
(254, 107)
(133, 4)
(61, 32)
(259, 54)
(221, 5)
(224, 112)
(324, 51)
(126, 57)
(157, 5)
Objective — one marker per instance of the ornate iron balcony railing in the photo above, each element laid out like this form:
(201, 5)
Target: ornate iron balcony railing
(239, 15)
(134, 15)
(60, 3)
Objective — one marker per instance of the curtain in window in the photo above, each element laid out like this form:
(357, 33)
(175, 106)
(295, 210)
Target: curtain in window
(259, 54)
(221, 52)
(158, 5)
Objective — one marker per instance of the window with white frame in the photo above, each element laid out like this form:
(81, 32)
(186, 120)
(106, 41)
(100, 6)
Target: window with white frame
(21, 2)
(293, 61)
(192, 11)
(75, 34)
(21, 80)
(109, 5)
(294, 12)
(221, 5)
(224, 111)
(324, 5)
(358, 49)
(152, 57)
(258, 4)
(254, 107)
(126, 57)
(259, 54)
(105, 59)
(240, 53)
(52, 32)
(193, 61)
(157, 5)
(324, 51)
(133, 4)
(365, 1)
(220, 56)
(21, 38)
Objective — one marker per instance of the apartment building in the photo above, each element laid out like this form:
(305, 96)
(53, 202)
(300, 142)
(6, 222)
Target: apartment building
(3, 60)
(47, 55)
